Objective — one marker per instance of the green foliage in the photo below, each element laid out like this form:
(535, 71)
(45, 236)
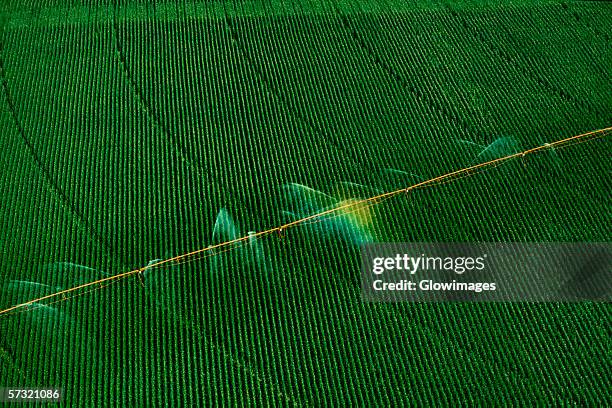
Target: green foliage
(134, 131)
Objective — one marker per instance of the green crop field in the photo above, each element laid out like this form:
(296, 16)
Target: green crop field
(134, 131)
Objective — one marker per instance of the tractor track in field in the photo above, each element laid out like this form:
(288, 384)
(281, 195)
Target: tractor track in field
(328, 139)
(543, 82)
(578, 101)
(578, 19)
(467, 128)
(605, 74)
(147, 107)
(90, 232)
(584, 104)
(202, 173)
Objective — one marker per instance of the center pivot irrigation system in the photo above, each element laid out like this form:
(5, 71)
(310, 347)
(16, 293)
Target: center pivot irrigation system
(216, 249)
